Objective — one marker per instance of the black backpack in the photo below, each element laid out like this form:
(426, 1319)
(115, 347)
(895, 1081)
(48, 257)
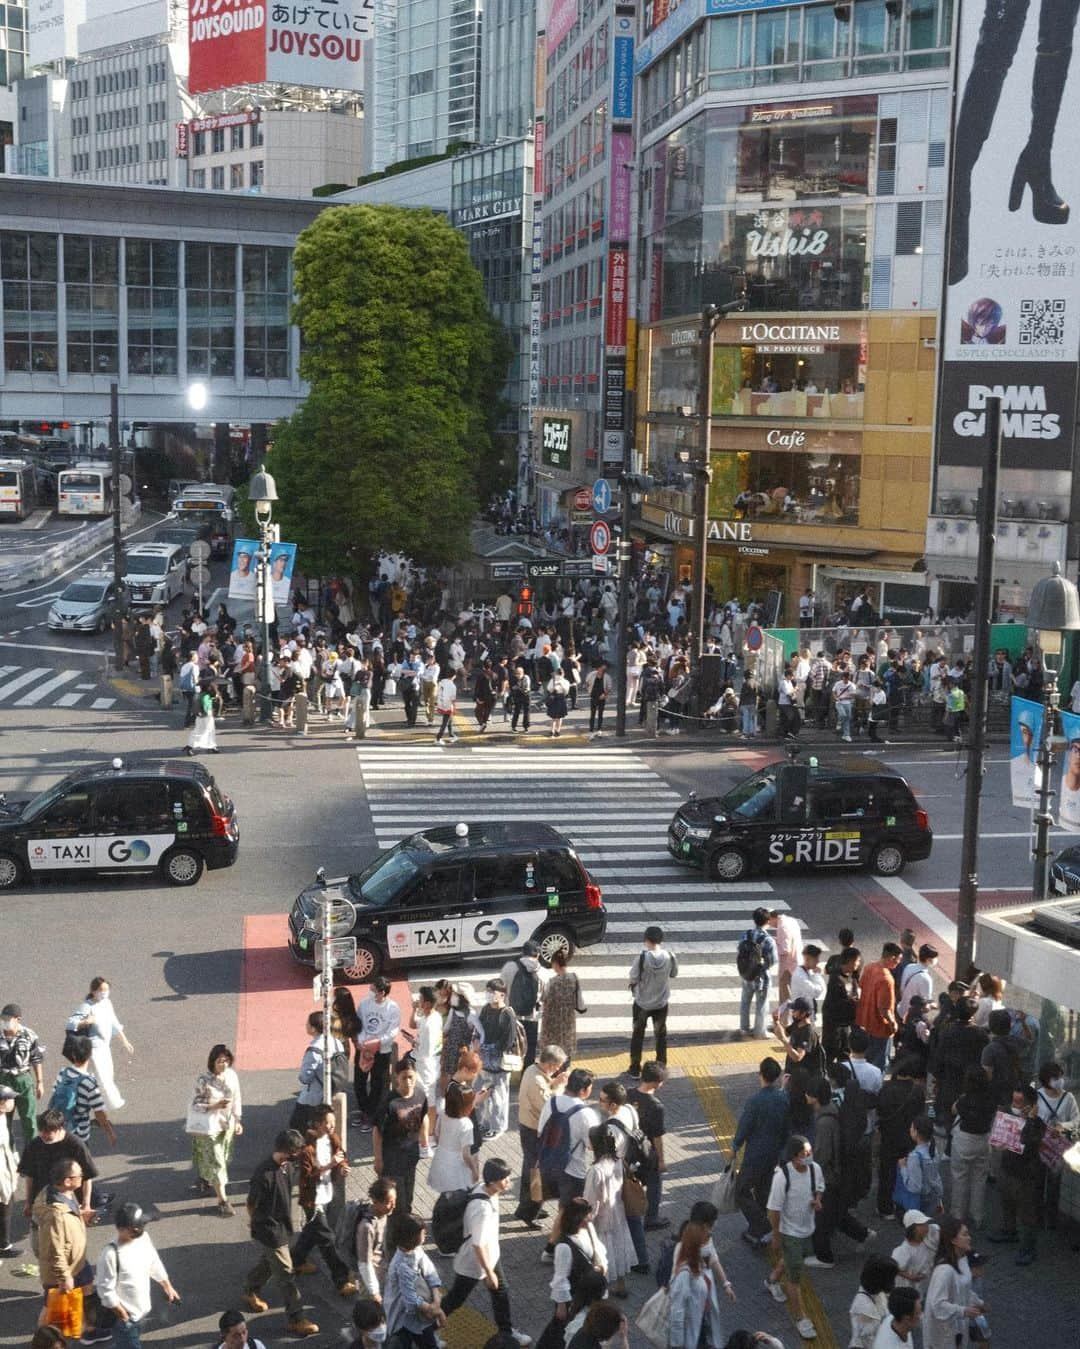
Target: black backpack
(553, 1144)
(639, 1153)
(854, 1115)
(339, 1073)
(524, 990)
(448, 1218)
(749, 960)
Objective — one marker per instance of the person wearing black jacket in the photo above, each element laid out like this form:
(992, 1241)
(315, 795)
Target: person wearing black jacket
(959, 1047)
(269, 1205)
(841, 1002)
(900, 1101)
(1022, 1178)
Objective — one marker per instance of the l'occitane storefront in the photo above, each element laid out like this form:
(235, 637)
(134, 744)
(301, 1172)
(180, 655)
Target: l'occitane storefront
(821, 440)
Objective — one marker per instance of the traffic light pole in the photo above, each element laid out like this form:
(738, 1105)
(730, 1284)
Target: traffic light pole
(703, 475)
(622, 621)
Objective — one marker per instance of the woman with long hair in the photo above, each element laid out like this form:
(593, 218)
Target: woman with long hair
(579, 1255)
(950, 1301)
(603, 1190)
(695, 1308)
(455, 1166)
(96, 1018)
(561, 1003)
(214, 1121)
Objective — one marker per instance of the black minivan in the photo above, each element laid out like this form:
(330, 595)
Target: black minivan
(849, 812)
(455, 892)
(169, 817)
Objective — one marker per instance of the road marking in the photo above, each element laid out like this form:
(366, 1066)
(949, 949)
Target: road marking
(21, 681)
(62, 650)
(68, 700)
(43, 690)
(131, 534)
(917, 903)
(41, 601)
(101, 704)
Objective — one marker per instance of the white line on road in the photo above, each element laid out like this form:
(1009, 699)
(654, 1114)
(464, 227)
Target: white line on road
(101, 704)
(915, 902)
(68, 700)
(63, 650)
(21, 681)
(43, 690)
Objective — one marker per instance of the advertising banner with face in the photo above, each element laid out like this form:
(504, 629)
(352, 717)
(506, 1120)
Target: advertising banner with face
(1069, 795)
(1025, 729)
(242, 570)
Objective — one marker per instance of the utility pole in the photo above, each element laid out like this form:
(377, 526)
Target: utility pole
(703, 474)
(117, 537)
(622, 614)
(976, 749)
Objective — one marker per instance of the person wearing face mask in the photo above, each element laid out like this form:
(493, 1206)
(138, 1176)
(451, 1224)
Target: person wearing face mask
(21, 1059)
(96, 1018)
(379, 1020)
(234, 1332)
(794, 1203)
(369, 1321)
(1056, 1108)
(1022, 1178)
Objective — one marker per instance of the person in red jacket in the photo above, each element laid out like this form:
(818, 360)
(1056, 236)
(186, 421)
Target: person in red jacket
(876, 1012)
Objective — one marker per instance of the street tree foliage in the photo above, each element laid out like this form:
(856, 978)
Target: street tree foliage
(394, 446)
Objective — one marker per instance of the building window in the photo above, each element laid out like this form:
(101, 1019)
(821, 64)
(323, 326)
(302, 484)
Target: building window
(236, 177)
(198, 144)
(256, 135)
(152, 276)
(909, 215)
(217, 141)
(266, 312)
(236, 137)
(92, 277)
(217, 178)
(28, 271)
(210, 277)
(257, 174)
(422, 82)
(198, 178)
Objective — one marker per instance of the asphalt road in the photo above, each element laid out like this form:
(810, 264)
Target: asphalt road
(176, 957)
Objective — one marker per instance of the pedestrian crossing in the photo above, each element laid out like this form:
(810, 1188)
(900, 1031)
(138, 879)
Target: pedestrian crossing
(615, 809)
(44, 686)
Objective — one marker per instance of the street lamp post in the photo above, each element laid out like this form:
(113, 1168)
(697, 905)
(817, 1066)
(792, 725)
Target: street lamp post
(1054, 609)
(710, 316)
(262, 494)
(117, 531)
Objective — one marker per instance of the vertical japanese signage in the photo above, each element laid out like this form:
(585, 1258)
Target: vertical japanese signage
(620, 185)
(316, 43)
(1011, 323)
(619, 214)
(618, 266)
(622, 87)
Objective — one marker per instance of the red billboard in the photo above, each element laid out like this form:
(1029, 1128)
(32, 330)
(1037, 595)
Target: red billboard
(226, 44)
(234, 42)
(615, 318)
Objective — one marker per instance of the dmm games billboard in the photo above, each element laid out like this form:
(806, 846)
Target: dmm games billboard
(1011, 327)
(234, 42)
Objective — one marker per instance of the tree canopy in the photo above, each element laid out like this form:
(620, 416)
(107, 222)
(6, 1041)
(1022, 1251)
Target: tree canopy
(395, 441)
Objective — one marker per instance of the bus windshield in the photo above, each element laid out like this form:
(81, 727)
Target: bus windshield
(8, 478)
(80, 482)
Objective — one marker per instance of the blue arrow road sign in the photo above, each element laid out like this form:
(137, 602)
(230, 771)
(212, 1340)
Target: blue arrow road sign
(601, 496)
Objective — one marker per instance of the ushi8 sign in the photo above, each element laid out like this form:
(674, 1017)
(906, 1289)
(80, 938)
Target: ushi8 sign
(305, 42)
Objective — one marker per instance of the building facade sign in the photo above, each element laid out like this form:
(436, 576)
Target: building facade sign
(556, 442)
(786, 439)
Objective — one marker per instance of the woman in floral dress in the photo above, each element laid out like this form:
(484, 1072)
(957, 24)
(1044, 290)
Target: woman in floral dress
(214, 1121)
(562, 1004)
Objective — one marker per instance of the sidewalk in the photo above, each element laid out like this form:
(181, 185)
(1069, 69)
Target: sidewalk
(702, 1098)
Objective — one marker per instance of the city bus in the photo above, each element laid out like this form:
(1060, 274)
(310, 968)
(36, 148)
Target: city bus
(18, 489)
(210, 504)
(85, 489)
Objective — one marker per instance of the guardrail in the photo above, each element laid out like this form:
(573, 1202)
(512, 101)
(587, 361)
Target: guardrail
(49, 560)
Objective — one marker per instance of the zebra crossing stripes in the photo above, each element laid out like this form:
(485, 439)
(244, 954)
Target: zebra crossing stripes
(43, 686)
(615, 809)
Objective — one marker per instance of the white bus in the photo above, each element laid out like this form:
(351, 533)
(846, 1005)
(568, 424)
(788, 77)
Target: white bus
(18, 488)
(85, 489)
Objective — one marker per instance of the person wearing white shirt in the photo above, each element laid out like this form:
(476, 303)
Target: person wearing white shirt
(578, 1089)
(234, 1332)
(379, 1020)
(917, 980)
(446, 705)
(124, 1271)
(1055, 1105)
(428, 1024)
(478, 1258)
(793, 1204)
(787, 935)
(807, 981)
(897, 1331)
(916, 1253)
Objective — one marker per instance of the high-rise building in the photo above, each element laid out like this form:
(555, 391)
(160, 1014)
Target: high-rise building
(507, 58)
(423, 71)
(14, 30)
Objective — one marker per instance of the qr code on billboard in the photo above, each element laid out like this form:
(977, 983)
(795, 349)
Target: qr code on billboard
(1042, 323)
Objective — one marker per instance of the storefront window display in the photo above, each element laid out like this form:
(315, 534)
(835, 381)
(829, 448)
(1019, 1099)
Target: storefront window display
(795, 486)
(814, 368)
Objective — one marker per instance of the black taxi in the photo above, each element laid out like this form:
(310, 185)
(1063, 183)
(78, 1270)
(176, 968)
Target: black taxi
(169, 817)
(452, 893)
(851, 812)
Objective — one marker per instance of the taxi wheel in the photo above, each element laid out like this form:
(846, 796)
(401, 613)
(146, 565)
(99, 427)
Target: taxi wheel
(11, 871)
(887, 859)
(366, 966)
(555, 939)
(182, 866)
(728, 864)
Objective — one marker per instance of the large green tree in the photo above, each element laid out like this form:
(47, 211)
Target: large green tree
(394, 444)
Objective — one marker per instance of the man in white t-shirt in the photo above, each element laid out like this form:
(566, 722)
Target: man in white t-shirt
(897, 1331)
(793, 1204)
(478, 1257)
(917, 980)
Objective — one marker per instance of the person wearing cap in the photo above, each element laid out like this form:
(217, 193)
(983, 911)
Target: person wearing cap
(787, 937)
(479, 1256)
(21, 1058)
(378, 1022)
(269, 1206)
(807, 981)
(916, 1253)
(233, 1329)
(125, 1269)
(650, 983)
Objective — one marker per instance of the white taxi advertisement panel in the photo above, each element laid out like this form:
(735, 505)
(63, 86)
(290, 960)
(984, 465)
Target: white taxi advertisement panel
(115, 850)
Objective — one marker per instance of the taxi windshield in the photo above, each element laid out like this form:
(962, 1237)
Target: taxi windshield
(38, 804)
(751, 799)
(387, 876)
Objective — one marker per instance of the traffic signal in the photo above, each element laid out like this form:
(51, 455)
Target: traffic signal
(525, 602)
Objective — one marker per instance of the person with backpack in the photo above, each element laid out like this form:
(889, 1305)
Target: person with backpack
(269, 1206)
(77, 1095)
(650, 1112)
(795, 1199)
(579, 1255)
(497, 1044)
(899, 1103)
(635, 1155)
(524, 978)
(650, 983)
(122, 1279)
(562, 1138)
(478, 1257)
(413, 1300)
(322, 1160)
(312, 1068)
(755, 956)
(830, 1149)
(918, 1175)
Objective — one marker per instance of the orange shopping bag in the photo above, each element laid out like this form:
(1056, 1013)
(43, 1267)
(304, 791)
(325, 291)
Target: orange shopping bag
(65, 1311)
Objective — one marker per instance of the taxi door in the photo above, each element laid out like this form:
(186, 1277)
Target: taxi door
(509, 903)
(846, 822)
(426, 923)
(790, 840)
(60, 838)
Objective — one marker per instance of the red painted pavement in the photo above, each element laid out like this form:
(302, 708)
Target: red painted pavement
(897, 916)
(276, 998)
